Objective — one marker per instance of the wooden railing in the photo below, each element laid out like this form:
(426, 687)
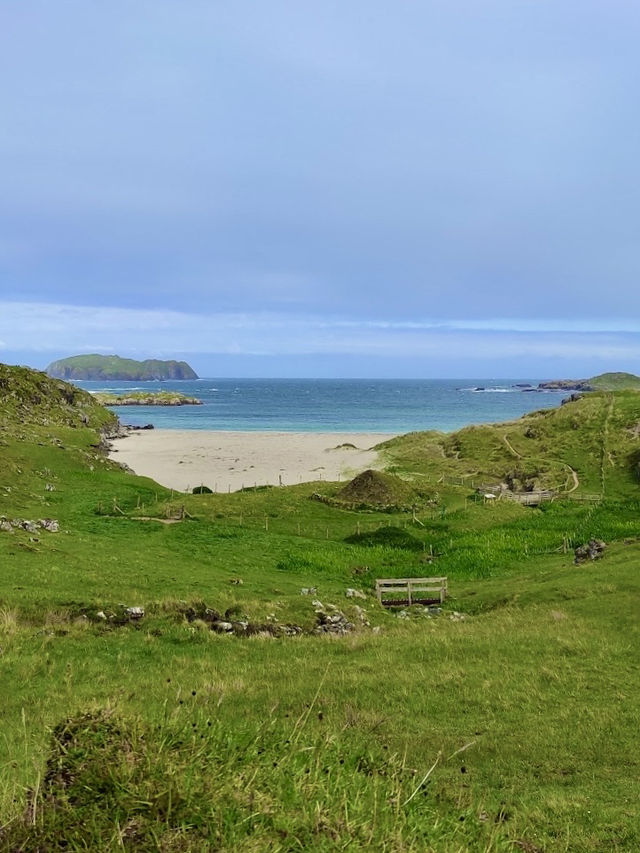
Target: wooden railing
(407, 591)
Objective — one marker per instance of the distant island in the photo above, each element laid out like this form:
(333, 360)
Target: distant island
(144, 398)
(109, 367)
(602, 382)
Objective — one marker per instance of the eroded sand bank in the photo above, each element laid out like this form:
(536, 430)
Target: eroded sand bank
(182, 459)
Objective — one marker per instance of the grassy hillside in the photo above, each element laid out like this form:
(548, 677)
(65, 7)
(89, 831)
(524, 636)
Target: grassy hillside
(615, 382)
(98, 367)
(593, 441)
(602, 382)
(507, 722)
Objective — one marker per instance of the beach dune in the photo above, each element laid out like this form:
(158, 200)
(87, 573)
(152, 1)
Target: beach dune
(228, 461)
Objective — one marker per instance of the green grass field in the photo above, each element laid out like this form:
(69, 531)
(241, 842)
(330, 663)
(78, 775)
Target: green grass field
(511, 727)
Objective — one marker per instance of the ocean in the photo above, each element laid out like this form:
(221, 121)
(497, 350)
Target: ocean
(334, 405)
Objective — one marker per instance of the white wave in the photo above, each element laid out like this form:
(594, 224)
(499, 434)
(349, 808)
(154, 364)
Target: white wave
(480, 390)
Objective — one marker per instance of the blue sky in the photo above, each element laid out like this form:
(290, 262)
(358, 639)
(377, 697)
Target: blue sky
(322, 188)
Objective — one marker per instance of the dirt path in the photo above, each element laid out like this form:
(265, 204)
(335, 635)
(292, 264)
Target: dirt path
(511, 448)
(573, 473)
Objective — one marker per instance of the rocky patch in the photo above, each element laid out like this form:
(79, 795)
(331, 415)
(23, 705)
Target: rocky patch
(592, 550)
(49, 524)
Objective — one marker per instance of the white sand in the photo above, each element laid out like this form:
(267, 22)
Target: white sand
(182, 459)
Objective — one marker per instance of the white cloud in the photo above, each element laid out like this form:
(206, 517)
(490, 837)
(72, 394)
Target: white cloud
(47, 327)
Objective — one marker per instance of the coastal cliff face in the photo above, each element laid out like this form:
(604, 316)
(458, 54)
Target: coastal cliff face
(97, 367)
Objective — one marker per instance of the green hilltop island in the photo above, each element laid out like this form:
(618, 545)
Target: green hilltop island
(97, 367)
(440, 655)
(602, 382)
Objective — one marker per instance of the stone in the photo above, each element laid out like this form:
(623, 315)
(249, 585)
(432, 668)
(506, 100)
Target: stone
(49, 524)
(354, 593)
(457, 617)
(5, 526)
(593, 550)
(317, 604)
(311, 590)
(333, 623)
(101, 614)
(134, 612)
(222, 627)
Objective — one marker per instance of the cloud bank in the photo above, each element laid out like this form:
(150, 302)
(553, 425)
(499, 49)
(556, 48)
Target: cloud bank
(50, 329)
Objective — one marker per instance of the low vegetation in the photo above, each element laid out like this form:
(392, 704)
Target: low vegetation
(505, 722)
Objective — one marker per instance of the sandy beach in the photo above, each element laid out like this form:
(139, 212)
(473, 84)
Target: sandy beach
(228, 461)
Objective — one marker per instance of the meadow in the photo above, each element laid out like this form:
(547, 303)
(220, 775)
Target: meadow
(506, 722)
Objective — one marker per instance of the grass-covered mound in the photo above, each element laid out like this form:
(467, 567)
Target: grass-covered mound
(614, 382)
(377, 488)
(28, 398)
(388, 537)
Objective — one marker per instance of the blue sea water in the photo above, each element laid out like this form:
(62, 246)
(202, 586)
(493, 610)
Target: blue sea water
(328, 405)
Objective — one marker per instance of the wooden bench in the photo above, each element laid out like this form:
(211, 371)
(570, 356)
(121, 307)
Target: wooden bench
(408, 591)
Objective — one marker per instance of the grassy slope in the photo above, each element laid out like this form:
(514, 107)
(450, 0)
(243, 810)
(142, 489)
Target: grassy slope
(615, 382)
(320, 742)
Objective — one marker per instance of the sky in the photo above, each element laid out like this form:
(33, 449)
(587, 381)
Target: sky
(336, 188)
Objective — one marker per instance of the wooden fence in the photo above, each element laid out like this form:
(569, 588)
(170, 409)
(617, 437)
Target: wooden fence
(408, 591)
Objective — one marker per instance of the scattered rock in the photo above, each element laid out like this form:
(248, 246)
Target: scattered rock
(134, 612)
(333, 623)
(317, 604)
(222, 627)
(312, 590)
(457, 617)
(593, 550)
(49, 524)
(354, 593)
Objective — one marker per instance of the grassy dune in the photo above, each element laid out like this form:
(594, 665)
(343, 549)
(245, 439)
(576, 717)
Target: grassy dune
(512, 728)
